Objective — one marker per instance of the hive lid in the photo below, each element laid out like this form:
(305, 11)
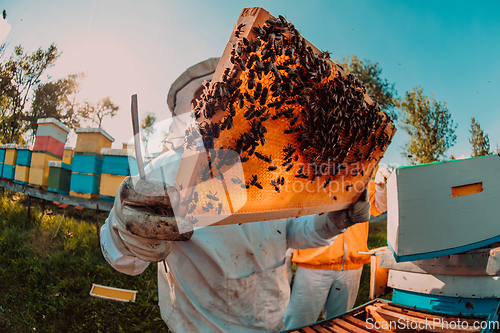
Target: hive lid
(84, 130)
(60, 164)
(47, 121)
(117, 152)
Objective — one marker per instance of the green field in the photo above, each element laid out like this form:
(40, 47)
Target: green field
(49, 263)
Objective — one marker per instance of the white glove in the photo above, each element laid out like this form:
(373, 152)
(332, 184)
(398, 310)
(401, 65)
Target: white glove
(143, 226)
(383, 173)
(358, 212)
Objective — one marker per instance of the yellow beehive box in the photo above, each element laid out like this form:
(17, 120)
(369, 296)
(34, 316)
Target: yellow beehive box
(40, 160)
(110, 184)
(22, 173)
(127, 145)
(10, 154)
(39, 170)
(93, 196)
(92, 140)
(68, 155)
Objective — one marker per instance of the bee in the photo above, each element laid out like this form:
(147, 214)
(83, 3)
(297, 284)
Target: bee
(236, 180)
(262, 157)
(219, 209)
(206, 209)
(348, 187)
(210, 205)
(327, 182)
(195, 196)
(249, 98)
(191, 208)
(212, 196)
(282, 180)
(289, 167)
(263, 96)
(335, 198)
(238, 31)
(272, 168)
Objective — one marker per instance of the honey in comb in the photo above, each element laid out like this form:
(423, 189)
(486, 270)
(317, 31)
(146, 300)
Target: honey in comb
(300, 126)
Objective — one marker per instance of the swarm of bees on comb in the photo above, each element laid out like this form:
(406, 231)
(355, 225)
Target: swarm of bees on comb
(302, 129)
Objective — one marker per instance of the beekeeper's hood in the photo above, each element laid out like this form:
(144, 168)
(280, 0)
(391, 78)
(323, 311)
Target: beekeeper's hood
(181, 94)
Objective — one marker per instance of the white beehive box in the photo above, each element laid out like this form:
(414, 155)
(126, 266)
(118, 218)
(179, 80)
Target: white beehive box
(443, 208)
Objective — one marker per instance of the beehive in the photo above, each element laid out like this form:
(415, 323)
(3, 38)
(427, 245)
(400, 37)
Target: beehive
(443, 208)
(39, 169)
(22, 174)
(2, 157)
(92, 140)
(116, 166)
(68, 154)
(23, 155)
(59, 177)
(307, 135)
(50, 137)
(9, 167)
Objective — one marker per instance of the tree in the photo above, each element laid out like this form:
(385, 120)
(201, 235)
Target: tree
(378, 89)
(23, 73)
(96, 112)
(56, 100)
(429, 125)
(479, 141)
(147, 126)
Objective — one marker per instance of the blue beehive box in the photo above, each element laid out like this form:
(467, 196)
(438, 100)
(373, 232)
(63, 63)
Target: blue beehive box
(23, 155)
(2, 157)
(118, 162)
(8, 171)
(87, 163)
(85, 183)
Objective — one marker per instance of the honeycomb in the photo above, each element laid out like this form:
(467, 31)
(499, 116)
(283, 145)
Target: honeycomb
(304, 133)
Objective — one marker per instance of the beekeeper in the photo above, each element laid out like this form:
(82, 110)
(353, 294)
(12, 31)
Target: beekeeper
(228, 278)
(327, 278)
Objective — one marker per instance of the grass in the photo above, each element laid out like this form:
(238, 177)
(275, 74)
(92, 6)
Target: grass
(49, 263)
(47, 268)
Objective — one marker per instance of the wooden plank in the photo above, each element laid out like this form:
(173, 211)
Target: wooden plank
(424, 315)
(482, 261)
(50, 196)
(320, 329)
(426, 221)
(429, 325)
(378, 277)
(349, 327)
(271, 203)
(363, 324)
(445, 285)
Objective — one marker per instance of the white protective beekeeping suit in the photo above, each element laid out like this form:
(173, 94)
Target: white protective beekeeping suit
(225, 278)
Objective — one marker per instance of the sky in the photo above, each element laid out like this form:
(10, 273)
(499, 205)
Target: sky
(450, 49)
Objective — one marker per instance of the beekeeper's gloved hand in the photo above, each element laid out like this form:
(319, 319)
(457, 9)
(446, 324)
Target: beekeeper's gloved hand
(143, 220)
(383, 173)
(357, 213)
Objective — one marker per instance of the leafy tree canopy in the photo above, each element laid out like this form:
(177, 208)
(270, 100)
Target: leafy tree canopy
(429, 125)
(378, 89)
